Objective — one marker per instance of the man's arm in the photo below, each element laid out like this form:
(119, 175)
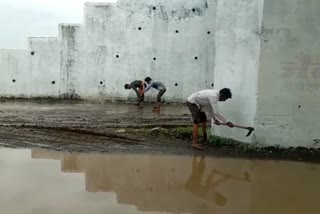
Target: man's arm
(214, 111)
(148, 87)
(144, 84)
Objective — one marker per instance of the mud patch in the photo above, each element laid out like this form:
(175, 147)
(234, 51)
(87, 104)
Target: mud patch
(231, 148)
(143, 141)
(83, 127)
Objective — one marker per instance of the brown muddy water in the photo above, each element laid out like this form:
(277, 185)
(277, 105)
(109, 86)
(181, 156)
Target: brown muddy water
(40, 181)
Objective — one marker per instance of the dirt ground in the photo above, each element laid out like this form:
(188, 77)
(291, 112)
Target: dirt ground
(77, 126)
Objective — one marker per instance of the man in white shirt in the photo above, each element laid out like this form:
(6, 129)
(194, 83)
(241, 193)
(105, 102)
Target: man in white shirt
(202, 104)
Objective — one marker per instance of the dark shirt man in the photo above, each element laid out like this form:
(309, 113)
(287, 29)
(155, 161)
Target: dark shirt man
(138, 86)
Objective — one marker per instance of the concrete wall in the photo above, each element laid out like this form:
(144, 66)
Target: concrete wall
(172, 41)
(237, 61)
(72, 64)
(14, 68)
(44, 69)
(265, 51)
(288, 101)
(270, 59)
(143, 36)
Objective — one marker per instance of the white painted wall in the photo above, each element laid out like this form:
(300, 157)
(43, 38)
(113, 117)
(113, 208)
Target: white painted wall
(267, 52)
(14, 68)
(288, 105)
(72, 60)
(44, 68)
(238, 24)
(272, 68)
(82, 60)
(113, 29)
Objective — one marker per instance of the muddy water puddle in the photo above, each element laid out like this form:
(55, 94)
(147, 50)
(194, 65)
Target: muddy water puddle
(40, 181)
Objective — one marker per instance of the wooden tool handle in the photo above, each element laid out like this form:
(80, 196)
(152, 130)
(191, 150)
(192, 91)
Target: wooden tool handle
(237, 126)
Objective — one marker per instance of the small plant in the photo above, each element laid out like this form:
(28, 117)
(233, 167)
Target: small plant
(249, 148)
(217, 140)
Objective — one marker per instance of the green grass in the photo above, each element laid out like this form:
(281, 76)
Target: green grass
(185, 133)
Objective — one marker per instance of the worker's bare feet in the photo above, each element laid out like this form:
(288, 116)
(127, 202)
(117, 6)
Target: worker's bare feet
(197, 146)
(155, 109)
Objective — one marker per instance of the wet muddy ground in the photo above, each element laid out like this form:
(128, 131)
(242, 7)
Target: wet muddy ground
(77, 126)
(85, 127)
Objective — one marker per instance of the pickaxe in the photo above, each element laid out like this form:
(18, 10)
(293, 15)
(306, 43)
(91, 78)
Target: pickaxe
(250, 129)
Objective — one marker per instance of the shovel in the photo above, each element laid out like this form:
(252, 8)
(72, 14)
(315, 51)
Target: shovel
(250, 129)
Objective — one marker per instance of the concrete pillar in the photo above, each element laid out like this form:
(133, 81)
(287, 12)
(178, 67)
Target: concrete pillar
(72, 81)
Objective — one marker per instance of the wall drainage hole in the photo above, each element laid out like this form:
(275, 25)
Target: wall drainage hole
(117, 56)
(53, 82)
(299, 106)
(154, 58)
(193, 10)
(13, 80)
(101, 82)
(196, 58)
(208, 32)
(32, 52)
(212, 84)
(154, 8)
(176, 84)
(177, 31)
(139, 28)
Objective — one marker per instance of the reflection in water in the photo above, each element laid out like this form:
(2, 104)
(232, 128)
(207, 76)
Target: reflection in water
(157, 184)
(194, 183)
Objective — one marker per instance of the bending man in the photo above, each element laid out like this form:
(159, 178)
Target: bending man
(156, 85)
(203, 103)
(138, 86)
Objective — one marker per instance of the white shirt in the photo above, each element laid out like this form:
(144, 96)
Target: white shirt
(207, 101)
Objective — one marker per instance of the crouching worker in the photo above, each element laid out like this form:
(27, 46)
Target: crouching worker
(138, 86)
(203, 103)
(156, 85)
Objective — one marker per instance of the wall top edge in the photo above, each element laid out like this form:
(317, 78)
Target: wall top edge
(43, 37)
(13, 50)
(70, 24)
(99, 3)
